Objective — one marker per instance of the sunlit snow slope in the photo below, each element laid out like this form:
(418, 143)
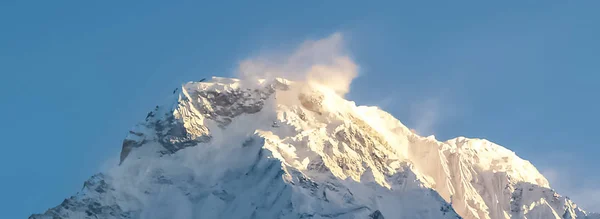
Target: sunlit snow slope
(227, 148)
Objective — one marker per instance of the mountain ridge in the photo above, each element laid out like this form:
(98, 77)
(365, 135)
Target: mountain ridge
(324, 157)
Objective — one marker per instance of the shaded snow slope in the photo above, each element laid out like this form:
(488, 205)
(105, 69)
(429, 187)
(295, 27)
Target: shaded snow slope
(228, 148)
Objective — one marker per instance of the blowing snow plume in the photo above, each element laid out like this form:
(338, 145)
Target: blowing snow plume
(324, 62)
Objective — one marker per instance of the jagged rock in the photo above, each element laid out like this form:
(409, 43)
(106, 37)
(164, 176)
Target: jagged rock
(376, 215)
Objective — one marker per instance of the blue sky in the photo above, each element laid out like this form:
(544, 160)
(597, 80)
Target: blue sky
(76, 75)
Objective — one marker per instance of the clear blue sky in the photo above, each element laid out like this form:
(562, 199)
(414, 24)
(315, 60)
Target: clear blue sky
(76, 75)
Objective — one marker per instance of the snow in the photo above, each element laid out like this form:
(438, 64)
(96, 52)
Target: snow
(230, 148)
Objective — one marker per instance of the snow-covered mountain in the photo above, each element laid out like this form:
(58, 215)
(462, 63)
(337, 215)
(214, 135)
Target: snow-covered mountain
(229, 148)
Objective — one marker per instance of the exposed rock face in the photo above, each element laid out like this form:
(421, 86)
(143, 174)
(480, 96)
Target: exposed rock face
(175, 131)
(88, 206)
(278, 149)
(376, 215)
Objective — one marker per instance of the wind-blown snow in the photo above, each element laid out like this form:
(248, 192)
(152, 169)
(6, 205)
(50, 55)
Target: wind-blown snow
(229, 148)
(323, 62)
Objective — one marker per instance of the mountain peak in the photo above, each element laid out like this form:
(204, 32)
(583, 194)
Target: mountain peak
(274, 148)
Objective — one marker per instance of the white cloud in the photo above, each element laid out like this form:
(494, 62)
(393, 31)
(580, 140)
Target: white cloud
(425, 115)
(552, 177)
(324, 61)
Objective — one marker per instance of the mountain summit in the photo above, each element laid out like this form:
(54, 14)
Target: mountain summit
(229, 148)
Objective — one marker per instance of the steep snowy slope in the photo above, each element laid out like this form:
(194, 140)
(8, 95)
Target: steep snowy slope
(278, 149)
